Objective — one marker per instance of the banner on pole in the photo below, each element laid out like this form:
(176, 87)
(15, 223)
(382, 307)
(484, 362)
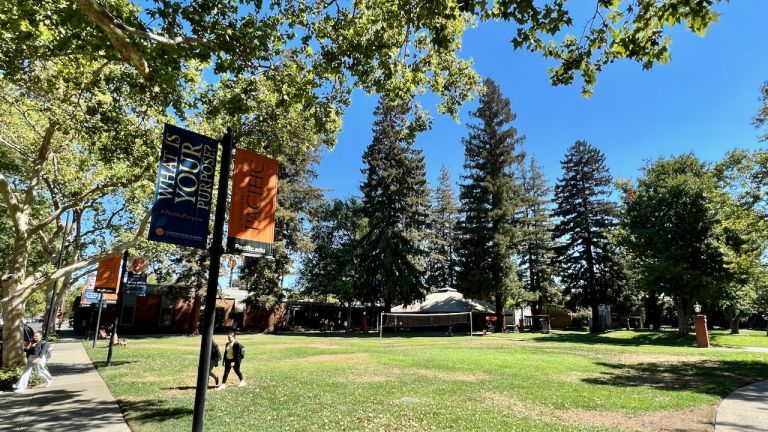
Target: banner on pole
(136, 282)
(88, 295)
(184, 188)
(108, 275)
(254, 200)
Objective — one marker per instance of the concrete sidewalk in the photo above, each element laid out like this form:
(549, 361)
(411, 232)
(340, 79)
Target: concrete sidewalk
(78, 400)
(745, 410)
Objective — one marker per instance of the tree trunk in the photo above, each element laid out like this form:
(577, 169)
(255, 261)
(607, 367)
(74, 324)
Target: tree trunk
(683, 315)
(194, 317)
(13, 314)
(501, 324)
(597, 324)
(349, 316)
(735, 317)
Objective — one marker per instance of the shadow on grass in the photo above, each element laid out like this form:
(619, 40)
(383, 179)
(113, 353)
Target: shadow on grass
(99, 364)
(387, 335)
(639, 338)
(152, 410)
(713, 377)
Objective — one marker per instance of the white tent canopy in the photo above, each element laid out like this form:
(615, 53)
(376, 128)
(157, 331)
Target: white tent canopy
(445, 300)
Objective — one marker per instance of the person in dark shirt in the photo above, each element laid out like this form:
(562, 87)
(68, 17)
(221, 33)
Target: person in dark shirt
(37, 357)
(215, 359)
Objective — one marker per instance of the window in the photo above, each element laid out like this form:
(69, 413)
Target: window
(128, 310)
(166, 312)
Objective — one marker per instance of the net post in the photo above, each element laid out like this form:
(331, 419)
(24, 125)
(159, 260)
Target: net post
(381, 326)
(470, 326)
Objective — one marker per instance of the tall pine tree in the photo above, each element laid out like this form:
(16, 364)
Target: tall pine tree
(537, 245)
(490, 200)
(589, 268)
(396, 205)
(442, 262)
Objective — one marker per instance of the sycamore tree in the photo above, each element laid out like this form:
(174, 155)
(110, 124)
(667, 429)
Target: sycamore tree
(77, 147)
(397, 48)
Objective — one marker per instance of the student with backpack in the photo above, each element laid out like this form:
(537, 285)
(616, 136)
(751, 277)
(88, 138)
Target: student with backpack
(37, 356)
(234, 353)
(215, 359)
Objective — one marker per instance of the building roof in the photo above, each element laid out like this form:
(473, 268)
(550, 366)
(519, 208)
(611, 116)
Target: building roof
(446, 300)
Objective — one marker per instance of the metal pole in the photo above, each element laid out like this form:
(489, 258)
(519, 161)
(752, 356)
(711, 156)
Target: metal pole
(216, 250)
(98, 320)
(50, 316)
(120, 293)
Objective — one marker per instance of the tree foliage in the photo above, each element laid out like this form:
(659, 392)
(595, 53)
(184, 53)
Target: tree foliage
(671, 222)
(330, 269)
(77, 146)
(444, 217)
(536, 243)
(588, 261)
(491, 198)
(395, 203)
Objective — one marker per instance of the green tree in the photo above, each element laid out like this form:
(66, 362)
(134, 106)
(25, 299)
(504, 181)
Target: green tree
(536, 243)
(380, 46)
(760, 121)
(671, 222)
(78, 146)
(396, 205)
(442, 260)
(588, 262)
(743, 178)
(743, 242)
(491, 199)
(330, 269)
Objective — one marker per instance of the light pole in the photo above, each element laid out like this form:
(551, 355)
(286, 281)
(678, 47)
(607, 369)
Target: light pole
(700, 324)
(50, 317)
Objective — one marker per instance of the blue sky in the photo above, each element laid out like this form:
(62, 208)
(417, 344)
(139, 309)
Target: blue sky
(702, 101)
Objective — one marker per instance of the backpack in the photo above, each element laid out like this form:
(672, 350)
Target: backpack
(216, 354)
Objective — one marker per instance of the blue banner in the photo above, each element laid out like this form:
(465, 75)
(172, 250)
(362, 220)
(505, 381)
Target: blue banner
(90, 296)
(184, 188)
(136, 284)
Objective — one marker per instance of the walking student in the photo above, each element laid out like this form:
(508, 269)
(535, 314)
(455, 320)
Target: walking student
(37, 357)
(233, 356)
(215, 359)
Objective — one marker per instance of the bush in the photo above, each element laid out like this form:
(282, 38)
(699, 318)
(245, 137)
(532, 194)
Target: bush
(580, 318)
(8, 377)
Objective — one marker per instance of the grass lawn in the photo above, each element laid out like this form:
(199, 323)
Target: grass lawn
(564, 381)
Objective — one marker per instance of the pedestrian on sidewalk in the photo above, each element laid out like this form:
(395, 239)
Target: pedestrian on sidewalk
(233, 356)
(215, 359)
(37, 357)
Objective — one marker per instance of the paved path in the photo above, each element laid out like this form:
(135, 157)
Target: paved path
(77, 401)
(745, 410)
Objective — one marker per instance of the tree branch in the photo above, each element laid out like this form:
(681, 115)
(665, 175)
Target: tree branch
(14, 147)
(107, 225)
(11, 201)
(117, 32)
(108, 23)
(77, 202)
(40, 278)
(37, 165)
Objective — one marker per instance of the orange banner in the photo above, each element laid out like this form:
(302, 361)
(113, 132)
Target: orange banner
(254, 200)
(108, 275)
